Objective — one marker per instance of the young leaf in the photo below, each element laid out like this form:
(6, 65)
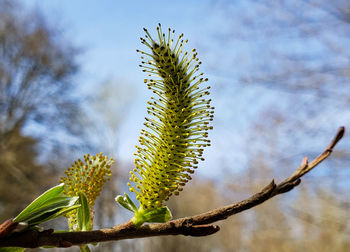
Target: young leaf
(54, 214)
(84, 248)
(41, 200)
(161, 215)
(50, 206)
(12, 249)
(130, 202)
(124, 203)
(83, 215)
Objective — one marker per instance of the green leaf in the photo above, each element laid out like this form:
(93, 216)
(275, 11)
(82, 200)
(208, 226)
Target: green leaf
(61, 231)
(84, 217)
(84, 248)
(52, 215)
(50, 206)
(161, 215)
(130, 202)
(124, 202)
(41, 200)
(12, 249)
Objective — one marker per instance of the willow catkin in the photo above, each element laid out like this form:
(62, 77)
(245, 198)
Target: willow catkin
(180, 114)
(87, 176)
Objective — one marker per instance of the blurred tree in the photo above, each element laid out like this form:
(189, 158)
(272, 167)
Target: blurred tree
(108, 108)
(35, 73)
(297, 46)
(36, 92)
(21, 177)
(316, 59)
(320, 226)
(296, 56)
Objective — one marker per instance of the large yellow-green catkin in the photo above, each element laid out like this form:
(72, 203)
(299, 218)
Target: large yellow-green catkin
(87, 176)
(176, 133)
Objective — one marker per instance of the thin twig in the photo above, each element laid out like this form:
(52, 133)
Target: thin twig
(197, 225)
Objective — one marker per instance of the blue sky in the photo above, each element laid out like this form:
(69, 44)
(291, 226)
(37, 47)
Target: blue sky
(108, 32)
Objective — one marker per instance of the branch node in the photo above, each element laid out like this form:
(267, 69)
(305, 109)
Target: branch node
(47, 231)
(201, 230)
(65, 244)
(305, 162)
(270, 187)
(7, 227)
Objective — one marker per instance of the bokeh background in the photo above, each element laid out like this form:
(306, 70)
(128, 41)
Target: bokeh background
(280, 75)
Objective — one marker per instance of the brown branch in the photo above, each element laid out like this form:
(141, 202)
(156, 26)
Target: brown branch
(198, 225)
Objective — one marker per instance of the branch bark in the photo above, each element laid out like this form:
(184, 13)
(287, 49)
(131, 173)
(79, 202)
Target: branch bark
(197, 225)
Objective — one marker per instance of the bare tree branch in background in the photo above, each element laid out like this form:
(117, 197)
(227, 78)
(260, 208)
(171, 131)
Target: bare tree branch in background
(321, 27)
(35, 74)
(198, 225)
(294, 54)
(36, 91)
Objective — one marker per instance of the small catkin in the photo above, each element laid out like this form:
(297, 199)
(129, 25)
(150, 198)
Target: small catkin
(177, 129)
(86, 176)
